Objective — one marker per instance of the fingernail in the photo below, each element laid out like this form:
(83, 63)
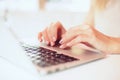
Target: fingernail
(54, 39)
(62, 46)
(61, 41)
(52, 43)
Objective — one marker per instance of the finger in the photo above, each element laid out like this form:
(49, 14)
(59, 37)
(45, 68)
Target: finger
(55, 32)
(45, 36)
(74, 32)
(70, 34)
(63, 46)
(68, 37)
(51, 30)
(60, 30)
(77, 40)
(40, 36)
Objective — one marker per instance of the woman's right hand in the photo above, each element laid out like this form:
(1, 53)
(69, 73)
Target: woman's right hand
(52, 33)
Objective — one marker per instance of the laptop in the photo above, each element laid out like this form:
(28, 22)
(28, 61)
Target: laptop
(49, 59)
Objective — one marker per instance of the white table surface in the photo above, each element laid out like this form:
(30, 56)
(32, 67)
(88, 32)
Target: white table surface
(105, 69)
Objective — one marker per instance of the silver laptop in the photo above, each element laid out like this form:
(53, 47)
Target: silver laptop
(53, 59)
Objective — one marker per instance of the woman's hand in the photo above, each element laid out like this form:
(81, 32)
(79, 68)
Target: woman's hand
(52, 33)
(87, 35)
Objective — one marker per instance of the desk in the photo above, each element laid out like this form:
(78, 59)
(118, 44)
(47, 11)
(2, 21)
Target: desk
(105, 69)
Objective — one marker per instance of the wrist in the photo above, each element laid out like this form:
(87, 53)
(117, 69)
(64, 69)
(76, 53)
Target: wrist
(114, 46)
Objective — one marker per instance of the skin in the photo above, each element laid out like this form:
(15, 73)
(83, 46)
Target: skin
(84, 34)
(52, 33)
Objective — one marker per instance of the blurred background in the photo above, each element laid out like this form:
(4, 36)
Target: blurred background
(28, 17)
(49, 5)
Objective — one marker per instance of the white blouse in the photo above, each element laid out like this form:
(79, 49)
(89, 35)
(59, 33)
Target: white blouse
(108, 21)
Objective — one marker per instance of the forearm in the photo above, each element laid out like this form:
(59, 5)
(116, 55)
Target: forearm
(114, 46)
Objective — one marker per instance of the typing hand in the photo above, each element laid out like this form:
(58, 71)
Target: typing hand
(85, 34)
(52, 33)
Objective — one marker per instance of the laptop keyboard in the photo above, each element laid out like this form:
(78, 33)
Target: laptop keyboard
(44, 57)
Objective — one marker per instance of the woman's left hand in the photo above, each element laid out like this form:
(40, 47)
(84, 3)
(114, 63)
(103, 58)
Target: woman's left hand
(85, 34)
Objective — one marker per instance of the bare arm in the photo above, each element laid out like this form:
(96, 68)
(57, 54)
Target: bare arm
(114, 47)
(79, 34)
(91, 35)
